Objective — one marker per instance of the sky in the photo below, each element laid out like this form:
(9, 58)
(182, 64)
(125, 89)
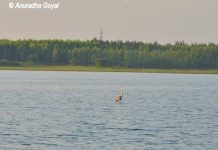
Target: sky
(164, 21)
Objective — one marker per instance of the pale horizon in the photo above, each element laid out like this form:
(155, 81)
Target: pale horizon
(192, 21)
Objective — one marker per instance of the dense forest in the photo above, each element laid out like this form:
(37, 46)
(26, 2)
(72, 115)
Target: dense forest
(108, 53)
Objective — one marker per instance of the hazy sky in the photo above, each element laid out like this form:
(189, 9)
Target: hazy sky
(145, 20)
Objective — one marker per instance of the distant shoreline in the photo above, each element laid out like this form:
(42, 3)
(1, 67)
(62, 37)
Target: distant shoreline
(109, 69)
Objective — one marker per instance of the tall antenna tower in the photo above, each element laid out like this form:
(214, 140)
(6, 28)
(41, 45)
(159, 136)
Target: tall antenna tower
(101, 34)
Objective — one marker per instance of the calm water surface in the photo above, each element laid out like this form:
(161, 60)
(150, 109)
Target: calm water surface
(76, 110)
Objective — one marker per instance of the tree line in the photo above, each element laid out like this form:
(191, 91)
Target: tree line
(109, 53)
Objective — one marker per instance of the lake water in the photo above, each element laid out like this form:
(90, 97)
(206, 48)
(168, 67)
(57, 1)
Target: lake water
(77, 110)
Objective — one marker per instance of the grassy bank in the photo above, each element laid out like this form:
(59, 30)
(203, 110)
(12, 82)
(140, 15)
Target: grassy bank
(109, 69)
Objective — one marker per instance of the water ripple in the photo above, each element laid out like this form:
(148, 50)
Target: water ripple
(76, 110)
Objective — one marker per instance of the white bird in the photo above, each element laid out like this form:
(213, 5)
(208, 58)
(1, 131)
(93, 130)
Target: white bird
(119, 98)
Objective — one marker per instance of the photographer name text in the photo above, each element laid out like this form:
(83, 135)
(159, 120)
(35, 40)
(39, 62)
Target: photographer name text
(34, 5)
